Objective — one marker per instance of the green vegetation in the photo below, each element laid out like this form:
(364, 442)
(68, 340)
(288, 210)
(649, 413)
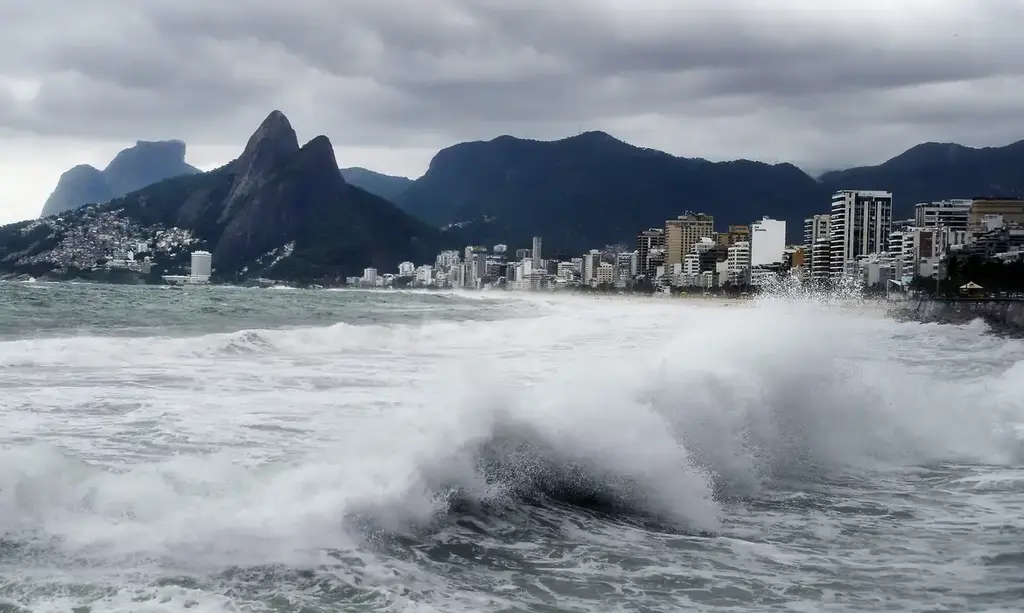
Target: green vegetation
(995, 277)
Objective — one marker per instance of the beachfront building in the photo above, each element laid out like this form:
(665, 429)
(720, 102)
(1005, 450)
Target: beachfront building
(201, 268)
(738, 263)
(681, 233)
(767, 242)
(859, 225)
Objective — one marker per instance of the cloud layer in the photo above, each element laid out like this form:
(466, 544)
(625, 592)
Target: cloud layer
(823, 84)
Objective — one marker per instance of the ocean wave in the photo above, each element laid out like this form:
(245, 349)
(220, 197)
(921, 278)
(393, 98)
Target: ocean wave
(549, 413)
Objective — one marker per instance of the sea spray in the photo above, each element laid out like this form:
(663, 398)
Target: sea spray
(644, 453)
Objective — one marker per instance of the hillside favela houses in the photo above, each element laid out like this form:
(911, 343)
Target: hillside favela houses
(854, 241)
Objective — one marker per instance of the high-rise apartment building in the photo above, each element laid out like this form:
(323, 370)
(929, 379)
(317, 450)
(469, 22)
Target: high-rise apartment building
(767, 242)
(591, 262)
(817, 246)
(944, 213)
(814, 228)
(202, 266)
(739, 263)
(683, 232)
(535, 253)
(646, 242)
(859, 225)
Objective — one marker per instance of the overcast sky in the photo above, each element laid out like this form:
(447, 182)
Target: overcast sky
(823, 84)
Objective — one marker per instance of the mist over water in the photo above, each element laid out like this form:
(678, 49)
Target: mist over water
(226, 449)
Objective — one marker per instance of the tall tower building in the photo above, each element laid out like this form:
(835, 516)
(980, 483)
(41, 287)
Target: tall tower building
(858, 226)
(817, 247)
(201, 265)
(683, 232)
(646, 242)
(767, 242)
(591, 262)
(535, 253)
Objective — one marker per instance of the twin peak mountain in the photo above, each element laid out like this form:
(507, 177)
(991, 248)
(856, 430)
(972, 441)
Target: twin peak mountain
(278, 194)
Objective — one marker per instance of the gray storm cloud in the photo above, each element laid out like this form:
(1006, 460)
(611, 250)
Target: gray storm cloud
(719, 78)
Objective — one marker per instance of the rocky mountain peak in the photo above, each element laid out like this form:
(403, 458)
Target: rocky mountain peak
(80, 185)
(319, 155)
(268, 148)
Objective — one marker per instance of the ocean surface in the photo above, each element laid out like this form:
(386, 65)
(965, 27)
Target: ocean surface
(221, 449)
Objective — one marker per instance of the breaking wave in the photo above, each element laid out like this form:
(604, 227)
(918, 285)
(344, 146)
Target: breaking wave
(587, 405)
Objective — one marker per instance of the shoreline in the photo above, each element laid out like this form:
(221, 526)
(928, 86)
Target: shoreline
(1004, 315)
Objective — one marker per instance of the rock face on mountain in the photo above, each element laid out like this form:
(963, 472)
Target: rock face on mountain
(385, 186)
(131, 169)
(283, 211)
(273, 143)
(592, 189)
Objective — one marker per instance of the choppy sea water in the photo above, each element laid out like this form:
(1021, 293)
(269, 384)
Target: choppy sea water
(219, 449)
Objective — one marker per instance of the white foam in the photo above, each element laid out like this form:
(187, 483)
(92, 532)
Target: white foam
(254, 446)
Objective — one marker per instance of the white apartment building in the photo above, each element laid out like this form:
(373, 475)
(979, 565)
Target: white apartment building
(877, 270)
(738, 262)
(370, 276)
(567, 271)
(202, 263)
(406, 269)
(767, 242)
(918, 251)
(448, 259)
(425, 275)
(859, 225)
(943, 214)
(605, 273)
(816, 261)
(628, 261)
(591, 262)
(820, 263)
(689, 274)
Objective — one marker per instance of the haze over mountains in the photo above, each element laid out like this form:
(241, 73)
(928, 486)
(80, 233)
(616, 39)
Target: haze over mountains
(592, 189)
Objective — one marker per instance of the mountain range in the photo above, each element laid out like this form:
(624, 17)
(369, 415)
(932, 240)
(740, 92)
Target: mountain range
(592, 189)
(278, 210)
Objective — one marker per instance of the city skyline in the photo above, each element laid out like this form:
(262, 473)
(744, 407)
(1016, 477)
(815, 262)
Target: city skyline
(857, 239)
(392, 88)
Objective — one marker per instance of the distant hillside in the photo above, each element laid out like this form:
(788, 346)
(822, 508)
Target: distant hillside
(133, 168)
(936, 171)
(278, 210)
(385, 186)
(592, 189)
